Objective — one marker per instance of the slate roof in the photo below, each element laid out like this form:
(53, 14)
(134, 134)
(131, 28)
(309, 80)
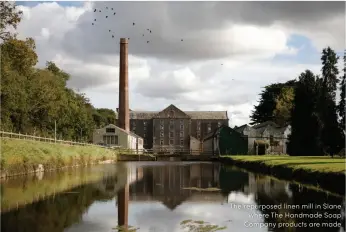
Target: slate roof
(193, 114)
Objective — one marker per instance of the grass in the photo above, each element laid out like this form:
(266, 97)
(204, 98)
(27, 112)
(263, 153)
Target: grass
(308, 163)
(24, 156)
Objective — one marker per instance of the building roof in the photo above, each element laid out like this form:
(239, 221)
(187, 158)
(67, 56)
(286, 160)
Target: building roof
(264, 124)
(127, 132)
(193, 114)
(241, 128)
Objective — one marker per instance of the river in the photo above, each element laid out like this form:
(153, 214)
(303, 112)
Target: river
(165, 197)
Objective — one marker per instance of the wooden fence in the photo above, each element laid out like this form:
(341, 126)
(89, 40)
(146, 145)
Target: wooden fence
(4, 134)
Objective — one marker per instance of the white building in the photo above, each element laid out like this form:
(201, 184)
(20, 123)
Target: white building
(111, 135)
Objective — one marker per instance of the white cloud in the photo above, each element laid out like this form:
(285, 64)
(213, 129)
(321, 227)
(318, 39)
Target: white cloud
(221, 64)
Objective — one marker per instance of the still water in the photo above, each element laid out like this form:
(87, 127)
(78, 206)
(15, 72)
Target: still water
(160, 197)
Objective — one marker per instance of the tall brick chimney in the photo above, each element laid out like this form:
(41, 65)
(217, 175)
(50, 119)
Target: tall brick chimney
(124, 123)
(123, 116)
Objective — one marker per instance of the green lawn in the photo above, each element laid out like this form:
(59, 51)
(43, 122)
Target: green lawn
(308, 163)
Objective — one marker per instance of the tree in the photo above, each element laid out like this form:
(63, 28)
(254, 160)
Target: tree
(284, 105)
(330, 71)
(331, 134)
(341, 106)
(10, 17)
(264, 111)
(305, 123)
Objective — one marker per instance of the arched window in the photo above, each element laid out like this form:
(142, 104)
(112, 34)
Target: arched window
(171, 114)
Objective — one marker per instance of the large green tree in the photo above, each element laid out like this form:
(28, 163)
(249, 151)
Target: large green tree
(304, 138)
(341, 106)
(284, 105)
(331, 134)
(265, 110)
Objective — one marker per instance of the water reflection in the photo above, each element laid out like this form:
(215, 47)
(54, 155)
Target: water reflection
(158, 198)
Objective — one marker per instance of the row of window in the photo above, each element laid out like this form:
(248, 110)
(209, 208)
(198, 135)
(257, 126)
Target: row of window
(171, 142)
(172, 122)
(171, 134)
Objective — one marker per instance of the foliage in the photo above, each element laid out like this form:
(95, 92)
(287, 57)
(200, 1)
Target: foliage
(284, 106)
(304, 138)
(264, 111)
(10, 17)
(200, 226)
(327, 109)
(341, 106)
(33, 99)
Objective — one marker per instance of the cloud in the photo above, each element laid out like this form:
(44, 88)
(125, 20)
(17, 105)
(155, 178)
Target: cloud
(227, 54)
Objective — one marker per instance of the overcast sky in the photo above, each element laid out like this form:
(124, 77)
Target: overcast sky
(200, 55)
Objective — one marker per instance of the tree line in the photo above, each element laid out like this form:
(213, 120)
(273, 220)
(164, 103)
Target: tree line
(309, 105)
(34, 100)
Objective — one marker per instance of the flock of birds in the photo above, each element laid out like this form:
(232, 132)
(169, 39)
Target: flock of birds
(111, 11)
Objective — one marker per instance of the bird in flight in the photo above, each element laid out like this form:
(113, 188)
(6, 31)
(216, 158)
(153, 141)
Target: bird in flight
(114, 13)
(133, 24)
(95, 10)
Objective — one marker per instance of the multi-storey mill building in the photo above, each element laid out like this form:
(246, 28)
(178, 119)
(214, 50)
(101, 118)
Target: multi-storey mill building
(173, 128)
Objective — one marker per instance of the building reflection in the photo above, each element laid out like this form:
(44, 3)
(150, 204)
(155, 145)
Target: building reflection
(174, 184)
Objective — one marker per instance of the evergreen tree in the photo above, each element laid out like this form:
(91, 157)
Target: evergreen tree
(341, 106)
(304, 139)
(331, 133)
(265, 110)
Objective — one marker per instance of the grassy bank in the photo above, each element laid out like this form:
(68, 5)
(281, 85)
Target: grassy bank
(324, 172)
(25, 156)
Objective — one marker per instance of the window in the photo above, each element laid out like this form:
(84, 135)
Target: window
(198, 128)
(134, 128)
(145, 135)
(171, 134)
(181, 122)
(144, 123)
(144, 128)
(133, 122)
(171, 126)
(161, 141)
(209, 127)
(110, 139)
(182, 142)
(198, 123)
(171, 122)
(161, 122)
(110, 130)
(181, 126)
(171, 114)
(171, 142)
(161, 134)
(181, 133)
(162, 127)
(219, 124)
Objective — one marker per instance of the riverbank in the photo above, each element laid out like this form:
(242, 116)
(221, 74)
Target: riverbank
(20, 157)
(324, 172)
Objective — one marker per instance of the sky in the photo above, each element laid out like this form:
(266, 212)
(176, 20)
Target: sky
(198, 56)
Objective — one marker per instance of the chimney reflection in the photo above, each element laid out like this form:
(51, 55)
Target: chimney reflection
(123, 208)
